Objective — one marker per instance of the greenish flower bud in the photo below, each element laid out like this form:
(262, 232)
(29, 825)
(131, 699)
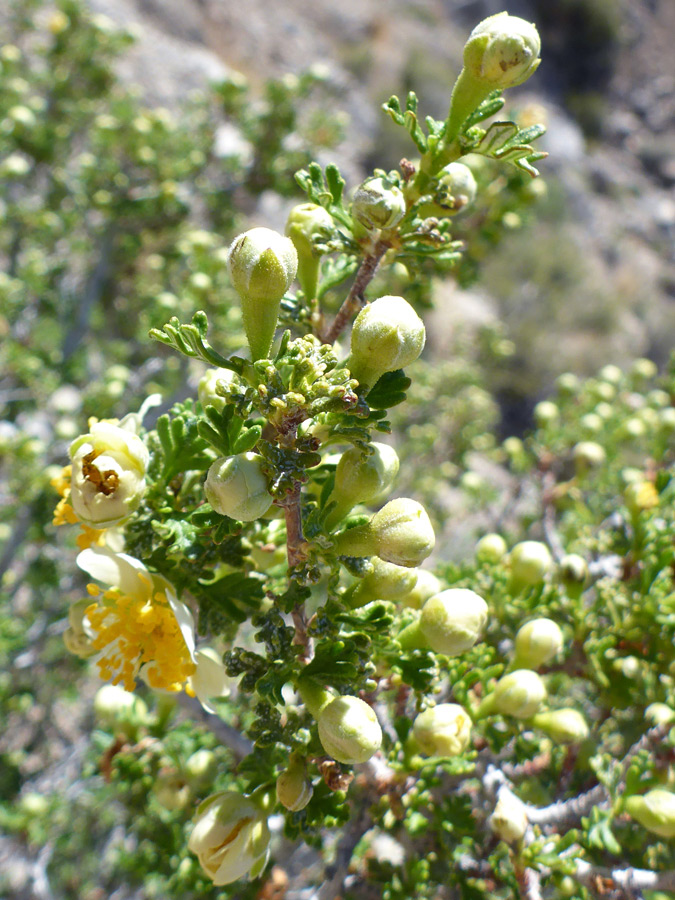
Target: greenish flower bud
(304, 225)
(362, 478)
(349, 730)
(378, 204)
(294, 789)
(655, 811)
(546, 413)
(644, 369)
(400, 533)
(611, 374)
(519, 694)
(667, 419)
(456, 190)
(426, 586)
(201, 767)
(443, 730)
(78, 637)
(568, 384)
(230, 837)
(450, 623)
(120, 711)
(236, 486)
(588, 455)
(262, 265)
(565, 726)
(206, 390)
(593, 423)
(385, 581)
(502, 51)
(659, 714)
(509, 819)
(530, 564)
(537, 643)
(387, 335)
(573, 574)
(171, 791)
(491, 548)
(14, 166)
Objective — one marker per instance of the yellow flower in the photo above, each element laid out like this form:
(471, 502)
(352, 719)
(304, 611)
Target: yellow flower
(139, 626)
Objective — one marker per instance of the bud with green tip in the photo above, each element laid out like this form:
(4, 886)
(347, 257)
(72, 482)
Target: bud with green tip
(491, 548)
(294, 789)
(450, 623)
(236, 486)
(519, 694)
(171, 791)
(426, 586)
(387, 335)
(655, 811)
(78, 637)
(400, 533)
(384, 581)
(305, 223)
(378, 204)
(565, 726)
(443, 730)
(573, 574)
(530, 564)
(348, 727)
(230, 837)
(537, 643)
(262, 265)
(362, 478)
(509, 820)
(502, 52)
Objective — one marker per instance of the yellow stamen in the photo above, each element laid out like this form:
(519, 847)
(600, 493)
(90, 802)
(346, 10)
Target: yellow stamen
(61, 483)
(133, 632)
(93, 590)
(90, 536)
(64, 514)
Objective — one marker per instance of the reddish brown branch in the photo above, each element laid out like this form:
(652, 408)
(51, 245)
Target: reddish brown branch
(355, 299)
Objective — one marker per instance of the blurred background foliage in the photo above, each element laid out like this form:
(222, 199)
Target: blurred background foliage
(135, 141)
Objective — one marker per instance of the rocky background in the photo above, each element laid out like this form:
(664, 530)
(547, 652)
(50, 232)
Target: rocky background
(595, 280)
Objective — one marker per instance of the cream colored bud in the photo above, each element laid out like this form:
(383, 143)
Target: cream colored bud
(502, 51)
(230, 837)
(453, 621)
(262, 266)
(655, 811)
(426, 586)
(565, 726)
(519, 694)
(387, 335)
(236, 486)
(443, 730)
(546, 413)
(530, 562)
(588, 455)
(362, 478)
(378, 204)
(659, 714)
(491, 548)
(201, 767)
(509, 820)
(294, 789)
(349, 730)
(385, 581)
(538, 642)
(108, 475)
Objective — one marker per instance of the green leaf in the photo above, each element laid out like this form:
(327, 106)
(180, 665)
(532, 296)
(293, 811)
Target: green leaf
(190, 340)
(389, 390)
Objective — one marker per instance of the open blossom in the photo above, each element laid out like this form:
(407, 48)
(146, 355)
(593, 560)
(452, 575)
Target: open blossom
(107, 478)
(139, 626)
